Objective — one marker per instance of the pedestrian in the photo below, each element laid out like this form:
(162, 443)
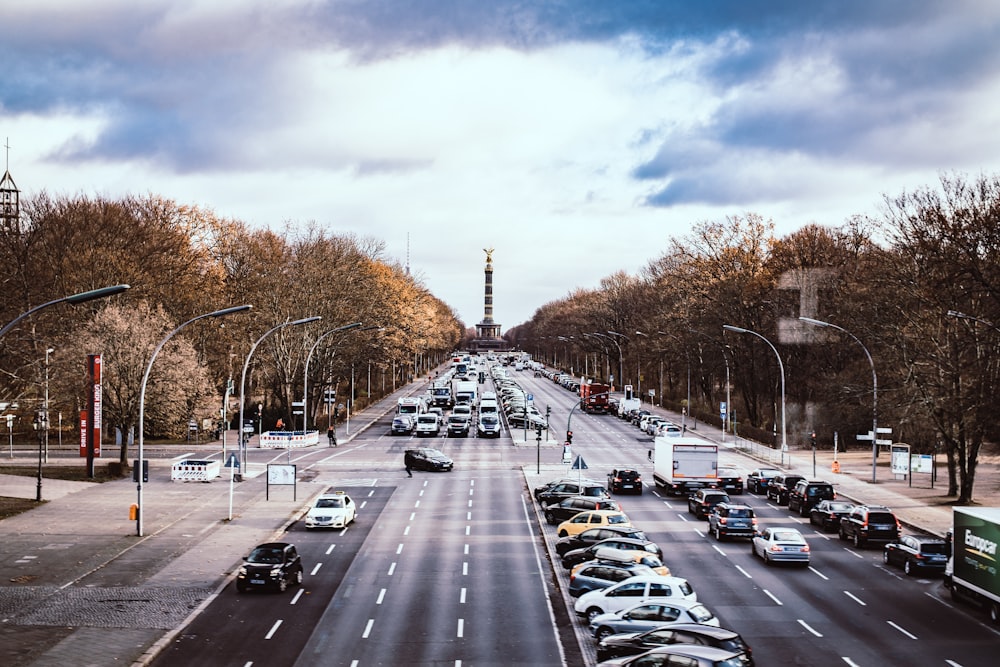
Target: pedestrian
(409, 471)
(331, 435)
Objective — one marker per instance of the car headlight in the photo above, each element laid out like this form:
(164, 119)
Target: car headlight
(275, 572)
(242, 571)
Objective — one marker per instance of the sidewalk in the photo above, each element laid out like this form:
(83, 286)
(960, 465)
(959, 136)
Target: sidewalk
(81, 588)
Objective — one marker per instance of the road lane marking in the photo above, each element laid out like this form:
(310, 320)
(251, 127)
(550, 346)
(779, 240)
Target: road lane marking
(819, 574)
(316, 569)
(768, 594)
(745, 573)
(908, 634)
(461, 596)
(298, 594)
(848, 661)
(468, 530)
(274, 628)
(716, 547)
(465, 568)
(368, 628)
(381, 596)
(413, 515)
(399, 549)
(461, 628)
(406, 531)
(330, 549)
(416, 504)
(806, 626)
(466, 550)
(468, 516)
(392, 568)
(856, 599)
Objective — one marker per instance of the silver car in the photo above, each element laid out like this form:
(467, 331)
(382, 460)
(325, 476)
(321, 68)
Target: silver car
(780, 545)
(649, 615)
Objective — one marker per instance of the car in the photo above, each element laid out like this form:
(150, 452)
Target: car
(917, 553)
(401, 425)
(703, 500)
(488, 426)
(780, 485)
(570, 487)
(634, 643)
(808, 492)
(648, 615)
(780, 545)
(653, 425)
(869, 523)
(591, 536)
(272, 565)
(332, 510)
(591, 518)
(576, 556)
(426, 458)
(732, 520)
(758, 480)
(730, 480)
(427, 424)
(634, 589)
(622, 480)
(531, 421)
(688, 655)
(670, 430)
(598, 574)
(567, 508)
(827, 513)
(458, 426)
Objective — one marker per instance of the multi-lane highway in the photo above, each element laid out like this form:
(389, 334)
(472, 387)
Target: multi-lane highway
(454, 568)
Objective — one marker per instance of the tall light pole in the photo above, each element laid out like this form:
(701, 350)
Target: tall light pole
(305, 378)
(781, 367)
(821, 323)
(243, 381)
(621, 362)
(725, 360)
(687, 355)
(73, 299)
(142, 402)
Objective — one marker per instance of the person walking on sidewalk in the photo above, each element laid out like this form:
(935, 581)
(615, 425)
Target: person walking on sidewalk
(409, 470)
(331, 435)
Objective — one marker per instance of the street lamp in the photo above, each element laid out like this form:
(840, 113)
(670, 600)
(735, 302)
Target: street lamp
(142, 401)
(72, 299)
(687, 355)
(305, 379)
(621, 364)
(821, 323)
(243, 381)
(725, 360)
(781, 366)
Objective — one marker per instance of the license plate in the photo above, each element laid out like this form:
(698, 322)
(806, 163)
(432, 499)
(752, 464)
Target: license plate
(257, 581)
(626, 486)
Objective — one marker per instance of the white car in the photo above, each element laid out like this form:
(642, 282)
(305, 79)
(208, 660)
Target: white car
(332, 510)
(427, 424)
(631, 592)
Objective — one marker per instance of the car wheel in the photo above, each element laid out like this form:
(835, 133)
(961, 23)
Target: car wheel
(858, 542)
(551, 520)
(908, 568)
(802, 511)
(718, 534)
(563, 533)
(593, 613)
(282, 585)
(841, 533)
(885, 557)
(603, 633)
(298, 578)
(767, 561)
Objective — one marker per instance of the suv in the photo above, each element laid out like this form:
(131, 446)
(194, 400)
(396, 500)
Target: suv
(703, 500)
(867, 523)
(731, 520)
(425, 458)
(567, 508)
(270, 565)
(624, 479)
(570, 487)
(780, 486)
(806, 493)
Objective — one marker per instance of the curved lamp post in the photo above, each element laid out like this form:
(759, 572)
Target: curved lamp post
(73, 299)
(821, 323)
(305, 378)
(725, 360)
(243, 379)
(781, 366)
(142, 400)
(621, 362)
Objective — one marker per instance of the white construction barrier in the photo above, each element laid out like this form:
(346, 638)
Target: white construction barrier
(195, 471)
(288, 439)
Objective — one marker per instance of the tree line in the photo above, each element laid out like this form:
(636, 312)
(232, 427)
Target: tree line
(184, 261)
(915, 286)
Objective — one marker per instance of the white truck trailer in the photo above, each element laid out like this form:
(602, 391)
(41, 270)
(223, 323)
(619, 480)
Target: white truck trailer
(683, 465)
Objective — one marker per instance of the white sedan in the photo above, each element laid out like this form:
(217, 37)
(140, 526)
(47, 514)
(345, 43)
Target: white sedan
(780, 545)
(333, 510)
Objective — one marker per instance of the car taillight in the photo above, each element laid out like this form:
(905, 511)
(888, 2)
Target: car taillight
(753, 521)
(722, 520)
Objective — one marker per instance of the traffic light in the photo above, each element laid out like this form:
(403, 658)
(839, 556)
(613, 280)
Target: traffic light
(813, 436)
(569, 437)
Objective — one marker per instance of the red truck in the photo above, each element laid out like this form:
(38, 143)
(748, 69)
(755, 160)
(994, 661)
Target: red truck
(594, 397)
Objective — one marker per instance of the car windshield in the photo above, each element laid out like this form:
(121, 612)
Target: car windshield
(268, 555)
(739, 512)
(433, 452)
(840, 507)
(934, 548)
(617, 518)
(768, 472)
(329, 502)
(881, 517)
(787, 536)
(700, 613)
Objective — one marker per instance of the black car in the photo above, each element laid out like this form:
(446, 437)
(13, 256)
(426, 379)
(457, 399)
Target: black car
(780, 486)
(622, 480)
(917, 553)
(703, 500)
(759, 479)
(808, 492)
(634, 643)
(273, 565)
(731, 520)
(869, 523)
(730, 480)
(567, 508)
(591, 536)
(568, 488)
(426, 458)
(827, 513)
(577, 556)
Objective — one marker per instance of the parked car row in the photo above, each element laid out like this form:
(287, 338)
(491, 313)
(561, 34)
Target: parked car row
(632, 602)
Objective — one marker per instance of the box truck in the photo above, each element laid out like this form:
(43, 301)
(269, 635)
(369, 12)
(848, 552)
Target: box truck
(972, 572)
(594, 397)
(683, 465)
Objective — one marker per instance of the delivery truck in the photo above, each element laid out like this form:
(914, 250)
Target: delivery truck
(972, 571)
(594, 398)
(683, 465)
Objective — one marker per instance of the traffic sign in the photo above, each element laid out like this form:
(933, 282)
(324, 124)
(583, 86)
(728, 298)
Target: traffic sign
(579, 463)
(864, 436)
(884, 429)
(883, 441)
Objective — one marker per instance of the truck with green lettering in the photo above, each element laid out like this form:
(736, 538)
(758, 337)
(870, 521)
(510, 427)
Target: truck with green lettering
(972, 572)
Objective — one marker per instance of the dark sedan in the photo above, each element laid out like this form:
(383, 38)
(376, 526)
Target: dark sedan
(426, 458)
(591, 536)
(917, 553)
(759, 479)
(633, 643)
(827, 513)
(273, 565)
(567, 508)
(577, 556)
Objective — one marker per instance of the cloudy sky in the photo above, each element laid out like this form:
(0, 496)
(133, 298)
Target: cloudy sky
(574, 137)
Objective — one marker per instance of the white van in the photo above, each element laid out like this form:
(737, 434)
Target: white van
(428, 424)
